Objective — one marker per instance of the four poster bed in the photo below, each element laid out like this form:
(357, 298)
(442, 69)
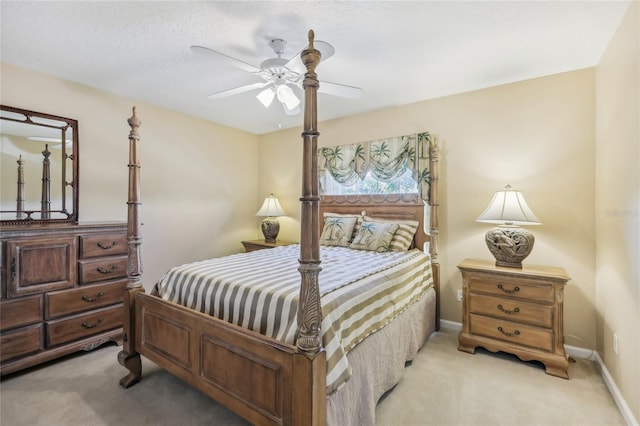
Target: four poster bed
(322, 353)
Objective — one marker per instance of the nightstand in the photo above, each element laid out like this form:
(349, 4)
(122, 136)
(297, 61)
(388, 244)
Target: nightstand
(254, 245)
(514, 310)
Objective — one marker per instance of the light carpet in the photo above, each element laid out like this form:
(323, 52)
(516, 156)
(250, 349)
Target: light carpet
(442, 386)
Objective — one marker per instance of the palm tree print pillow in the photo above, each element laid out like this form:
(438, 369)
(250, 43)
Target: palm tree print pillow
(337, 231)
(374, 236)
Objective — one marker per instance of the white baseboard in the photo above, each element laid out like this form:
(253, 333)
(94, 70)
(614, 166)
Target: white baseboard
(627, 415)
(581, 353)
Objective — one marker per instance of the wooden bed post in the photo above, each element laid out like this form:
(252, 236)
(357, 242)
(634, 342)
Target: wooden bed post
(310, 362)
(309, 313)
(433, 226)
(128, 357)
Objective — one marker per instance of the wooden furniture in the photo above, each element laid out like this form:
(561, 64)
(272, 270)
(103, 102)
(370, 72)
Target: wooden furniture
(514, 310)
(62, 288)
(261, 379)
(262, 244)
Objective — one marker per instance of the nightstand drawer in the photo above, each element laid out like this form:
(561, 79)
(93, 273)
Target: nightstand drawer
(511, 288)
(102, 269)
(66, 302)
(512, 310)
(519, 334)
(72, 328)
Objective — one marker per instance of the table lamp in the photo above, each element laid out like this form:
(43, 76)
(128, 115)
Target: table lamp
(271, 208)
(508, 242)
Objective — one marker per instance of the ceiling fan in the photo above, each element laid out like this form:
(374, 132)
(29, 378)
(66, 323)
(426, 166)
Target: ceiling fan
(280, 76)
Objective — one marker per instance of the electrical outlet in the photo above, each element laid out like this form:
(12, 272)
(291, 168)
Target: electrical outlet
(615, 343)
(460, 297)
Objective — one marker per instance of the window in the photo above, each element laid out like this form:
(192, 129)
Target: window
(398, 165)
(403, 184)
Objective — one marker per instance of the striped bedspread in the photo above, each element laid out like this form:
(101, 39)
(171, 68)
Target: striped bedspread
(361, 291)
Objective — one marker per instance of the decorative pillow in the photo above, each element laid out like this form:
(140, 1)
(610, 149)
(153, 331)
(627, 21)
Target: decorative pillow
(337, 231)
(359, 218)
(403, 237)
(375, 236)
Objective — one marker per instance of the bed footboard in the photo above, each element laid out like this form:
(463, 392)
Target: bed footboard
(247, 372)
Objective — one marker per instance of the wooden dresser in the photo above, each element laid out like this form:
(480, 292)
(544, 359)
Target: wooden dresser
(514, 310)
(62, 289)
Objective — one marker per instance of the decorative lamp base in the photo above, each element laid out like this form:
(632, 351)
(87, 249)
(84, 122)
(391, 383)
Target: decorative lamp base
(510, 245)
(270, 229)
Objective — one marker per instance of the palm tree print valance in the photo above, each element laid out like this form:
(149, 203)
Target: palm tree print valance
(385, 159)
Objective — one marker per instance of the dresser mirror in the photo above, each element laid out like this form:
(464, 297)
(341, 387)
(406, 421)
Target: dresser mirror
(38, 167)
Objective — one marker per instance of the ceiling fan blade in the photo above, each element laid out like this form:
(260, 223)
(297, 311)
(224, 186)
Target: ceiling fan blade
(233, 61)
(341, 90)
(326, 51)
(237, 90)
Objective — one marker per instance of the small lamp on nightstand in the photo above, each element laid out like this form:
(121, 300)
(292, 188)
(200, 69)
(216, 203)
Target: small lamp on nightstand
(508, 242)
(271, 208)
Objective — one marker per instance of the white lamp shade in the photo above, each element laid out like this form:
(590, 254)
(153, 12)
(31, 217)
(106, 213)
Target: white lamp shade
(266, 96)
(271, 207)
(508, 207)
(287, 97)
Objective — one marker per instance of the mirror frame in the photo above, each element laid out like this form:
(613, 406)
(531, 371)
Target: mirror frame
(72, 215)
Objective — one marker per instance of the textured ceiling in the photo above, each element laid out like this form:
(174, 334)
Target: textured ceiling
(397, 52)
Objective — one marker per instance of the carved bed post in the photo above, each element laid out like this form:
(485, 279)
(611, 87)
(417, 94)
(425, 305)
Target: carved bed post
(433, 226)
(128, 357)
(310, 399)
(20, 198)
(45, 200)
(309, 313)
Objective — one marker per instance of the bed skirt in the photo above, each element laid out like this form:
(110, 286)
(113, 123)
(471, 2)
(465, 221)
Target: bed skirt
(378, 363)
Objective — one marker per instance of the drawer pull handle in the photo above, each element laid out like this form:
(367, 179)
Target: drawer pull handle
(106, 246)
(515, 333)
(92, 299)
(107, 270)
(515, 289)
(94, 325)
(507, 311)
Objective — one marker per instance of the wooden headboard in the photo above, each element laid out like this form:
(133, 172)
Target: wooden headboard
(387, 206)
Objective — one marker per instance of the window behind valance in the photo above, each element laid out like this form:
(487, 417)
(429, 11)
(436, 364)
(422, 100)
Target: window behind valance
(386, 159)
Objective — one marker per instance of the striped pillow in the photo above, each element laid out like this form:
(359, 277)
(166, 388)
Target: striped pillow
(403, 238)
(359, 219)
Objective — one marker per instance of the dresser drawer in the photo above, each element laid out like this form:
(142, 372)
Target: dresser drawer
(512, 309)
(18, 312)
(66, 302)
(73, 328)
(518, 334)
(511, 288)
(103, 245)
(22, 341)
(94, 270)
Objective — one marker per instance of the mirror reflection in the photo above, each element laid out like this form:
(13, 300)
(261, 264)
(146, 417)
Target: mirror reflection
(37, 167)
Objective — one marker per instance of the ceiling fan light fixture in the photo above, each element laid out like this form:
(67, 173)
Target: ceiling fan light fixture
(266, 96)
(287, 97)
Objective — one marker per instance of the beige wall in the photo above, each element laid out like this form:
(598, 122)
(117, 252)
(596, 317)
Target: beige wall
(536, 135)
(198, 178)
(618, 207)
